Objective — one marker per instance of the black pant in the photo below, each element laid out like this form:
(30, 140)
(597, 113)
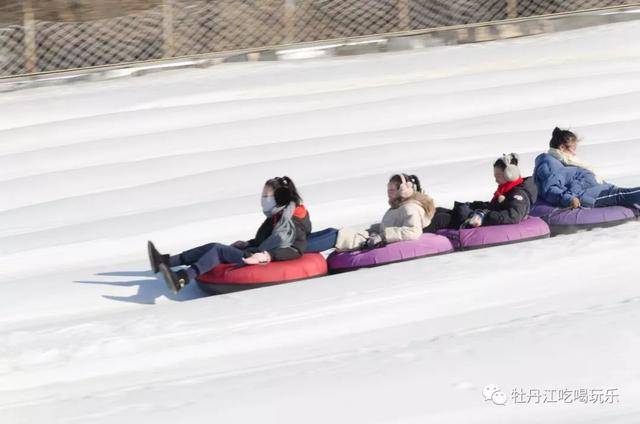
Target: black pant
(616, 196)
(444, 219)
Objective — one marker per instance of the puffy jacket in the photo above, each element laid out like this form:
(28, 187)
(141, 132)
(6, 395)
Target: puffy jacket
(513, 209)
(407, 221)
(302, 223)
(558, 184)
(404, 221)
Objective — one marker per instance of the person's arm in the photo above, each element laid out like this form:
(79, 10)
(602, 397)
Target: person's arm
(480, 205)
(517, 208)
(284, 254)
(558, 195)
(554, 192)
(300, 243)
(410, 230)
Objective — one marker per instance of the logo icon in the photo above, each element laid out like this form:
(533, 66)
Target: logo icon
(493, 393)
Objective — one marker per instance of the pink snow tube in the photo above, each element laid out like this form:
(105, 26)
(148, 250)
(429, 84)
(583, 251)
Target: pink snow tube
(531, 228)
(426, 245)
(567, 221)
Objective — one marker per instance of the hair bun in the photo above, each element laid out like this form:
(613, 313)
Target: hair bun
(283, 196)
(561, 137)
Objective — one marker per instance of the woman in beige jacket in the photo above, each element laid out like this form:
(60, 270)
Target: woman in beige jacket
(410, 211)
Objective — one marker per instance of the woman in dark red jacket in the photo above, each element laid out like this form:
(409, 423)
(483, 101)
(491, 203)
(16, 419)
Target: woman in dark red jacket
(282, 236)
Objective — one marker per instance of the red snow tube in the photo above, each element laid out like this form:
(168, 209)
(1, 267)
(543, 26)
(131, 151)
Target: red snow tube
(226, 278)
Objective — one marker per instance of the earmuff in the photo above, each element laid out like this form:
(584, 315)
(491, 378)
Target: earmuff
(406, 189)
(416, 183)
(511, 171)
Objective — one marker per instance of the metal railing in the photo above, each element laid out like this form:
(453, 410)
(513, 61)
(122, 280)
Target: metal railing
(176, 28)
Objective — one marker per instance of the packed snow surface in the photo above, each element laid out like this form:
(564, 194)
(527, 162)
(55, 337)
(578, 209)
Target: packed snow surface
(89, 172)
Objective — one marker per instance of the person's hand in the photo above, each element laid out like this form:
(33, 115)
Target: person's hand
(261, 258)
(575, 203)
(374, 240)
(475, 221)
(240, 244)
(501, 198)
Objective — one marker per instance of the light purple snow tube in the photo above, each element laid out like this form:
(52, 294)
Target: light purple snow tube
(530, 228)
(566, 221)
(426, 245)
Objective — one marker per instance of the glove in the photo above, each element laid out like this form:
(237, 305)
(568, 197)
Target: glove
(240, 244)
(261, 258)
(575, 203)
(373, 241)
(476, 219)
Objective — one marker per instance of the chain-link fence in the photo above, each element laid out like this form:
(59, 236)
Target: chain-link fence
(172, 28)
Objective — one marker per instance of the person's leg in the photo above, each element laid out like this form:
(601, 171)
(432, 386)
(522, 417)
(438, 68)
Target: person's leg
(215, 254)
(443, 219)
(202, 259)
(156, 258)
(616, 196)
(349, 239)
(322, 240)
(191, 256)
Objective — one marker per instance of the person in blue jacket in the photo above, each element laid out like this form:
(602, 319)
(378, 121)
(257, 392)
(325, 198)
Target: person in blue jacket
(564, 180)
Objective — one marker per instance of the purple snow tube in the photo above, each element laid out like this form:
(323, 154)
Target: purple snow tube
(426, 245)
(530, 228)
(567, 221)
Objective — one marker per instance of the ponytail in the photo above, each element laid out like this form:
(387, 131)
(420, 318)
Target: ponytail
(284, 191)
(561, 137)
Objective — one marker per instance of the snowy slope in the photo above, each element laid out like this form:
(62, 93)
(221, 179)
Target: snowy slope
(90, 171)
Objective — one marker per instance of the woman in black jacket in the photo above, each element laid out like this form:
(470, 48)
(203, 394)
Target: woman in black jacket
(510, 203)
(282, 236)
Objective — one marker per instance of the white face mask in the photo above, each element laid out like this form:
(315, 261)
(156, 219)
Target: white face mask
(268, 204)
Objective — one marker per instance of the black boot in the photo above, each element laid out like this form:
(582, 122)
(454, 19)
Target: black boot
(175, 280)
(155, 258)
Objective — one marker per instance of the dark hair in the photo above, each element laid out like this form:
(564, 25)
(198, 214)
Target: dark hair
(500, 163)
(410, 178)
(284, 191)
(561, 137)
